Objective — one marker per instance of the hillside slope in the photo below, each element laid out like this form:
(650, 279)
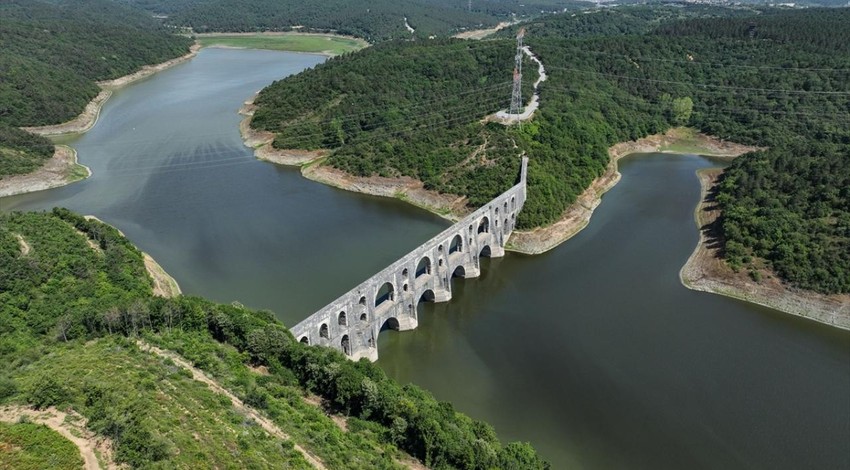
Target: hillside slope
(769, 79)
(375, 20)
(75, 302)
(51, 55)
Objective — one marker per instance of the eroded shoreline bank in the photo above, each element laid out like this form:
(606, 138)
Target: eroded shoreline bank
(88, 118)
(453, 207)
(577, 216)
(706, 271)
(62, 169)
(163, 284)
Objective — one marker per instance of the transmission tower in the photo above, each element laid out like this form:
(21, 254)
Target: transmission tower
(516, 95)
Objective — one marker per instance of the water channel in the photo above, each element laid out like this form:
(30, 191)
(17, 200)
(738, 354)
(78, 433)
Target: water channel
(594, 352)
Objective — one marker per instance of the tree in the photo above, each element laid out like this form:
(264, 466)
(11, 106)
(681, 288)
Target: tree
(682, 109)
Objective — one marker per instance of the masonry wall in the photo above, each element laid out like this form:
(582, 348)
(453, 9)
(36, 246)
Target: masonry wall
(352, 322)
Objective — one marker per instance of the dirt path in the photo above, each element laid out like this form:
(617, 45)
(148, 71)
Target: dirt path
(60, 170)
(200, 376)
(706, 271)
(483, 33)
(73, 429)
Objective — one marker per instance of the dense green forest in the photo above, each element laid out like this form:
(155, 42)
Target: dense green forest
(619, 21)
(75, 298)
(51, 55)
(769, 79)
(375, 20)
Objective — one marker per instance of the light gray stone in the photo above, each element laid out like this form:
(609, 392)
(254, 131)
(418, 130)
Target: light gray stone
(352, 322)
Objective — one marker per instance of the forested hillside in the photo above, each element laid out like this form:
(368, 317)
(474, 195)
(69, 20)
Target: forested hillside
(767, 79)
(51, 55)
(74, 302)
(375, 20)
(620, 21)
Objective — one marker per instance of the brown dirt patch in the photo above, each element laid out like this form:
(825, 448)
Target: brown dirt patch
(25, 247)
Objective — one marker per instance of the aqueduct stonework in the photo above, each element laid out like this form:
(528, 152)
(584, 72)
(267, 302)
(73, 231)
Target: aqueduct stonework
(352, 322)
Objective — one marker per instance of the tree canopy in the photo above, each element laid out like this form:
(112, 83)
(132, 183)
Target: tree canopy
(768, 78)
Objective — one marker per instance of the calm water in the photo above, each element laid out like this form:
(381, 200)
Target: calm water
(593, 352)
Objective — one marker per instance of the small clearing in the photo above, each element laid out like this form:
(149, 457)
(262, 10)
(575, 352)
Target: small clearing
(264, 422)
(483, 33)
(25, 247)
(71, 426)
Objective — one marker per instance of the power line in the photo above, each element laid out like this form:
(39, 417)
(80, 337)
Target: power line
(704, 85)
(696, 62)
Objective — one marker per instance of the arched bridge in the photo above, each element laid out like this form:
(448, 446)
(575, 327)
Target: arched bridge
(351, 323)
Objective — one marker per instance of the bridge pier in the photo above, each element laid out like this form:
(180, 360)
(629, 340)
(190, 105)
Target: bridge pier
(352, 323)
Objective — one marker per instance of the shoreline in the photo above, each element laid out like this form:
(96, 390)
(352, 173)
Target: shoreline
(88, 118)
(47, 177)
(407, 189)
(453, 207)
(61, 169)
(577, 216)
(164, 285)
(705, 271)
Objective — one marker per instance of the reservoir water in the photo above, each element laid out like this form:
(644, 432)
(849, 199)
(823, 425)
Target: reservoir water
(594, 352)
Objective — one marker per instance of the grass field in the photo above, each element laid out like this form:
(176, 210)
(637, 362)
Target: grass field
(294, 42)
(29, 446)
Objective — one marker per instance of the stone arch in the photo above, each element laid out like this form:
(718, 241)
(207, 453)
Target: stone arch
(506, 206)
(513, 202)
(459, 271)
(470, 229)
(440, 248)
(324, 331)
(346, 345)
(341, 319)
(362, 301)
(456, 245)
(424, 266)
(364, 318)
(305, 340)
(404, 272)
(506, 228)
(484, 225)
(390, 323)
(427, 296)
(385, 293)
(485, 252)
(404, 287)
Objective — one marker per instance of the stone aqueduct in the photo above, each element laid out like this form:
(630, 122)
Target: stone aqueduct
(352, 322)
